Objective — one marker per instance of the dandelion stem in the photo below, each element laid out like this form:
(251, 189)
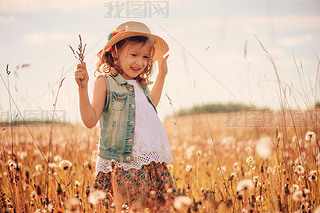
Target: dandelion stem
(11, 123)
(25, 123)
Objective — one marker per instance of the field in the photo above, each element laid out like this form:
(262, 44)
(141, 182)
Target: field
(222, 163)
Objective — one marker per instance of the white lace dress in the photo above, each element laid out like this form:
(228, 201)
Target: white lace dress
(150, 139)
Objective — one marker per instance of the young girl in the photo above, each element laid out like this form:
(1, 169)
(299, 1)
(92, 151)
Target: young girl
(131, 134)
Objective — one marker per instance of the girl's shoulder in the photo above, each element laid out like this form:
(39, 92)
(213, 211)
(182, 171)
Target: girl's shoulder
(101, 82)
(104, 75)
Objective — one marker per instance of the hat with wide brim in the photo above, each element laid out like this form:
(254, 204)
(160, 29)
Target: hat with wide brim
(133, 28)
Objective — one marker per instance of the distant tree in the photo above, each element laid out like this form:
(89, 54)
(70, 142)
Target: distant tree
(217, 108)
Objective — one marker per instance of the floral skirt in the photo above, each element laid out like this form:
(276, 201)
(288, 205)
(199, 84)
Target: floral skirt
(151, 182)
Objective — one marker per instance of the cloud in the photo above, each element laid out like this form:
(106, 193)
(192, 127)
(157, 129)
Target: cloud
(43, 38)
(296, 40)
(19, 6)
(6, 19)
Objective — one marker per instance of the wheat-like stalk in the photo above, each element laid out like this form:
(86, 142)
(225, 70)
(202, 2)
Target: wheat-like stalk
(79, 55)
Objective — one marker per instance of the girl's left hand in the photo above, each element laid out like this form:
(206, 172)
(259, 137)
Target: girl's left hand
(163, 68)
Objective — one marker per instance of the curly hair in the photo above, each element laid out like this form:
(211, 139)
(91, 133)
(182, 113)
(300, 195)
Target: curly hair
(107, 62)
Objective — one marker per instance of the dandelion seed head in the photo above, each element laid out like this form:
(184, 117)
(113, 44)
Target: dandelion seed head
(23, 155)
(310, 136)
(52, 165)
(294, 139)
(299, 170)
(210, 141)
(264, 147)
(294, 188)
(317, 209)
(297, 196)
(301, 178)
(72, 204)
(221, 170)
(11, 164)
(36, 152)
(39, 167)
(170, 166)
(305, 191)
(190, 151)
(65, 164)
(188, 168)
(228, 140)
(232, 176)
(125, 207)
(249, 160)
(259, 198)
(313, 175)
(96, 196)
(236, 167)
(77, 183)
(245, 185)
(181, 202)
(87, 165)
(57, 158)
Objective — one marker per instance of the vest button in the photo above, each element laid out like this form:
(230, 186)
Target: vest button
(128, 158)
(130, 88)
(130, 141)
(133, 106)
(131, 122)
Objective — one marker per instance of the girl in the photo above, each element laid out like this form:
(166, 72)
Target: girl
(131, 134)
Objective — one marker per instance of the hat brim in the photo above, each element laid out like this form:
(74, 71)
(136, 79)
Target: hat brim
(161, 47)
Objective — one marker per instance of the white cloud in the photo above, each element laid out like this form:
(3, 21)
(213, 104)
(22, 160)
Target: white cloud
(8, 6)
(36, 37)
(6, 19)
(296, 40)
(43, 38)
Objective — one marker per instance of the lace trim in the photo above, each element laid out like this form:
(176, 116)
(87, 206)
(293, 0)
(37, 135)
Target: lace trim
(143, 155)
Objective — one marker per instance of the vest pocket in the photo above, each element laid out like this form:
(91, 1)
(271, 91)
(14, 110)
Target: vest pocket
(118, 101)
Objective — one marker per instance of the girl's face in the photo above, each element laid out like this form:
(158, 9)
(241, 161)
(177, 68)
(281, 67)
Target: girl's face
(133, 59)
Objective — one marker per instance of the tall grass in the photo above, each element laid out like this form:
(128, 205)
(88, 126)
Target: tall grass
(222, 163)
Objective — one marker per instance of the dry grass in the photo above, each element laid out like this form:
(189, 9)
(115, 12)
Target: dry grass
(208, 176)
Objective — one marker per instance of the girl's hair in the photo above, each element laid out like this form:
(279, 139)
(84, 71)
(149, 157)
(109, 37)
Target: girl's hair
(106, 62)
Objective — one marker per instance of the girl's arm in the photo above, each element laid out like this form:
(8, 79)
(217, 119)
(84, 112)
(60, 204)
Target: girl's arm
(158, 85)
(90, 113)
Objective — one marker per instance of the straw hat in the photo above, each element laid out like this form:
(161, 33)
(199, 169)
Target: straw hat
(133, 28)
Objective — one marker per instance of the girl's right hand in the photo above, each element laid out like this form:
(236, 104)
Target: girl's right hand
(81, 75)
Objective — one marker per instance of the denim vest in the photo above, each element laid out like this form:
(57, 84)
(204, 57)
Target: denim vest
(117, 121)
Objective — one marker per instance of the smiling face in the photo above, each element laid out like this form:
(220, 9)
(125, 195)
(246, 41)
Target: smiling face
(133, 59)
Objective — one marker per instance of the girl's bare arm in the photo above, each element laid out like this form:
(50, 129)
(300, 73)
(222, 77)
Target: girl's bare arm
(90, 113)
(158, 85)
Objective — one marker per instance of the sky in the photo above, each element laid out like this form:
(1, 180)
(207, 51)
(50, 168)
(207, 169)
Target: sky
(215, 53)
